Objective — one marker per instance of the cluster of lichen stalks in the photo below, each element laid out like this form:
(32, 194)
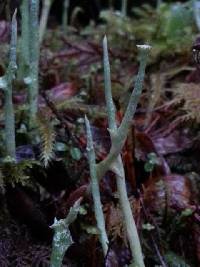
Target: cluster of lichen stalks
(28, 71)
(32, 33)
(113, 162)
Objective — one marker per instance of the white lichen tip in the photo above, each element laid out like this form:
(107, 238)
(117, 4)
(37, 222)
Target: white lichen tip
(14, 15)
(105, 40)
(144, 47)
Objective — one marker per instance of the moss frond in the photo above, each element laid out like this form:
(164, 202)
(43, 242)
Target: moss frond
(189, 95)
(13, 173)
(47, 139)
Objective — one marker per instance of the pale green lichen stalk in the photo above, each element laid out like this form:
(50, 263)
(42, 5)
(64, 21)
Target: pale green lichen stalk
(196, 10)
(29, 54)
(24, 41)
(6, 84)
(34, 59)
(107, 83)
(113, 161)
(135, 96)
(65, 15)
(46, 5)
(124, 8)
(62, 239)
(95, 190)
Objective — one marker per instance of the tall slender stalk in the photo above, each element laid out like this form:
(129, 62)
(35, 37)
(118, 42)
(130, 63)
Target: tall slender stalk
(65, 15)
(158, 3)
(196, 10)
(34, 58)
(24, 41)
(95, 190)
(124, 8)
(107, 82)
(46, 5)
(113, 161)
(118, 136)
(6, 84)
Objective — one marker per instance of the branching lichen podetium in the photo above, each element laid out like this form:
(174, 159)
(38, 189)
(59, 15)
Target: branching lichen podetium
(113, 161)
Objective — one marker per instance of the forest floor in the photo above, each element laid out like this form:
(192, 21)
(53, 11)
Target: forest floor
(161, 154)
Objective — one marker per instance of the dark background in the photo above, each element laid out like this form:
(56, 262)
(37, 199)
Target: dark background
(90, 8)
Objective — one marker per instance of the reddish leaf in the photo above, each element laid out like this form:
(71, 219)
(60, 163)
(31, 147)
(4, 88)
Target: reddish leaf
(180, 192)
(171, 193)
(62, 91)
(75, 195)
(19, 98)
(193, 77)
(111, 259)
(173, 143)
(4, 31)
(144, 146)
(118, 255)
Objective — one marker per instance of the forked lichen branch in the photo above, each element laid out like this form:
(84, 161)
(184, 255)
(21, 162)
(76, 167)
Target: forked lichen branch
(113, 161)
(62, 239)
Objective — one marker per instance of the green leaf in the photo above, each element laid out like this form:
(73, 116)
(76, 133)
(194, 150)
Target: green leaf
(75, 153)
(187, 212)
(82, 210)
(148, 167)
(60, 147)
(153, 159)
(92, 230)
(174, 260)
(148, 226)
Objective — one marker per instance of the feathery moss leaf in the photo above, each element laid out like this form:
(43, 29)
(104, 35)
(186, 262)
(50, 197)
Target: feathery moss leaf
(47, 139)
